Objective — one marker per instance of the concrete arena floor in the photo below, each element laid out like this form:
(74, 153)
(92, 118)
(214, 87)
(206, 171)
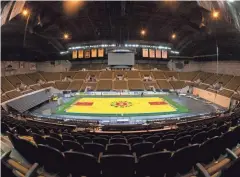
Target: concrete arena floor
(196, 107)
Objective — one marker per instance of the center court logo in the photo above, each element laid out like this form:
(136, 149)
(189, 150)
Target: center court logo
(121, 104)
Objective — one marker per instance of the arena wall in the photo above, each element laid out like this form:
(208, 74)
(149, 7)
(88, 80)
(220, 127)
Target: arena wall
(224, 67)
(54, 66)
(212, 97)
(17, 67)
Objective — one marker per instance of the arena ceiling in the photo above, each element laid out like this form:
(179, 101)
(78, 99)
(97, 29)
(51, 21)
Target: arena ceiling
(196, 32)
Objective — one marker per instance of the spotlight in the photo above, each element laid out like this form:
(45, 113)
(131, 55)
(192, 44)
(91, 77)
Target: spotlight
(173, 36)
(143, 32)
(25, 12)
(66, 36)
(215, 14)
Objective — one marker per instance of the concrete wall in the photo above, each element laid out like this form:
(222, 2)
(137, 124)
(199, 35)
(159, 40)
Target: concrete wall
(57, 66)
(17, 67)
(224, 67)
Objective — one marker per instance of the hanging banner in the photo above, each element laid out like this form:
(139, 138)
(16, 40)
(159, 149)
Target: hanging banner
(164, 54)
(32, 66)
(21, 64)
(152, 53)
(80, 53)
(87, 54)
(8, 65)
(74, 54)
(158, 53)
(145, 52)
(94, 53)
(101, 52)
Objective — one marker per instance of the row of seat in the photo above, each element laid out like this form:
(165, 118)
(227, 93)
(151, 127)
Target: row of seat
(117, 164)
(229, 82)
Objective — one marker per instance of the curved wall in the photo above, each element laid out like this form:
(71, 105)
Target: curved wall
(224, 67)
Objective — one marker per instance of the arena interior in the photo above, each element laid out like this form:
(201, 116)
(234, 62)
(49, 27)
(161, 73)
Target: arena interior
(120, 89)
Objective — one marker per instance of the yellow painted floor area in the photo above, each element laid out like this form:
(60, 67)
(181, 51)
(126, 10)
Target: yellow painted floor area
(113, 106)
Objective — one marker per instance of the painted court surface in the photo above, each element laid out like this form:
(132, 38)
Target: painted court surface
(121, 106)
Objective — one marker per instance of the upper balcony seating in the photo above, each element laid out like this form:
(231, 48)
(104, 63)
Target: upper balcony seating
(104, 85)
(171, 74)
(67, 75)
(13, 94)
(149, 85)
(106, 75)
(25, 79)
(177, 84)
(202, 76)
(120, 85)
(133, 75)
(212, 79)
(135, 85)
(35, 77)
(81, 75)
(36, 87)
(62, 85)
(224, 79)
(233, 84)
(45, 85)
(226, 93)
(145, 74)
(4, 98)
(119, 73)
(51, 76)
(6, 85)
(187, 76)
(92, 86)
(75, 85)
(14, 80)
(158, 75)
(163, 84)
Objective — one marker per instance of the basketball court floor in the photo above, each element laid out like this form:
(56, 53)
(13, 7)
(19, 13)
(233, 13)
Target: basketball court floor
(133, 109)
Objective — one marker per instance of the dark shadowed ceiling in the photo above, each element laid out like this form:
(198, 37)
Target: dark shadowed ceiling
(196, 33)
